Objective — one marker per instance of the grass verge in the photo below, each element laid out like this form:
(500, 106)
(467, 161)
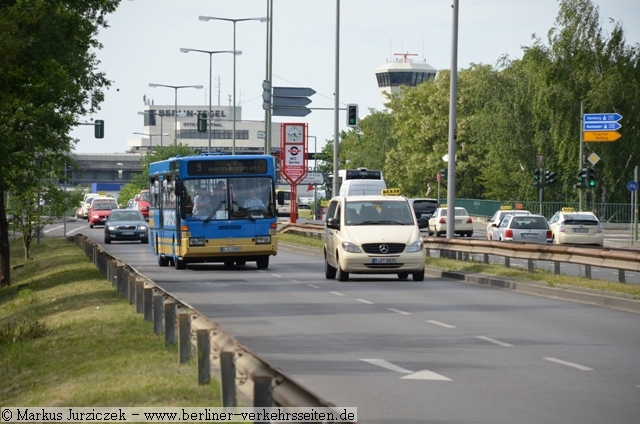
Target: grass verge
(67, 338)
(631, 291)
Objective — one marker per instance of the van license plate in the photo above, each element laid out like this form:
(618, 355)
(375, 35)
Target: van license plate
(383, 260)
(230, 249)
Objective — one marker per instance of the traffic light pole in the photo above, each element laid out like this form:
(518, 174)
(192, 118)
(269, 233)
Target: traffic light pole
(541, 188)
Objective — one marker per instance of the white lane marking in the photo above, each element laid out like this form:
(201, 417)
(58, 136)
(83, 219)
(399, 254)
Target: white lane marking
(399, 311)
(53, 228)
(295, 281)
(311, 285)
(388, 365)
(498, 342)
(570, 364)
(365, 301)
(442, 324)
(276, 275)
(74, 230)
(425, 375)
(336, 293)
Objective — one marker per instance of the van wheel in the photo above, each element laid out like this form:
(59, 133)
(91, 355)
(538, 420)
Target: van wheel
(403, 275)
(329, 271)
(418, 276)
(342, 276)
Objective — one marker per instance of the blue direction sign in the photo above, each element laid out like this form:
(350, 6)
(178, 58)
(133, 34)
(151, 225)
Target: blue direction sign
(601, 126)
(632, 185)
(602, 117)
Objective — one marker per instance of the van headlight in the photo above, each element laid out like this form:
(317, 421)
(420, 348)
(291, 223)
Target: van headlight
(350, 247)
(415, 247)
(263, 239)
(196, 241)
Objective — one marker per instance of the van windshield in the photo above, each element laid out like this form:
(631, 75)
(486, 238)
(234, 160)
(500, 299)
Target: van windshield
(378, 213)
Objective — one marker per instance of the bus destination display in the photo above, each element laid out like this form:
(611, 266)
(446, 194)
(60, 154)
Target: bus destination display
(226, 167)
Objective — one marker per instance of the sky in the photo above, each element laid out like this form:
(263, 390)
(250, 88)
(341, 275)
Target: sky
(143, 41)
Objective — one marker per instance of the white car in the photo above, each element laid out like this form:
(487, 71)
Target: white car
(523, 229)
(570, 227)
(438, 222)
(372, 235)
(497, 217)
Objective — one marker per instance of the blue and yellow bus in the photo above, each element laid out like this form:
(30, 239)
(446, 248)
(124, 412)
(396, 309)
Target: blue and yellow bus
(213, 208)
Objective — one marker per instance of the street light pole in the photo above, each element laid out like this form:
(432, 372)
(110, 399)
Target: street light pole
(233, 112)
(176, 87)
(211, 53)
(150, 138)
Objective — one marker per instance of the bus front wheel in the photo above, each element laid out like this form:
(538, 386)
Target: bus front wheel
(179, 263)
(263, 262)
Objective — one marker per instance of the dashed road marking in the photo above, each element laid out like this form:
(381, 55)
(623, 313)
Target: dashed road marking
(337, 293)
(425, 375)
(570, 364)
(388, 365)
(441, 324)
(498, 342)
(276, 275)
(398, 311)
(314, 286)
(365, 301)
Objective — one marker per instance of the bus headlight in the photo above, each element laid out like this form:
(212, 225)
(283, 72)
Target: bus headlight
(415, 247)
(196, 241)
(263, 239)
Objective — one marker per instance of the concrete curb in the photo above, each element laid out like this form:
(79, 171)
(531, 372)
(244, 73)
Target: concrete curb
(533, 288)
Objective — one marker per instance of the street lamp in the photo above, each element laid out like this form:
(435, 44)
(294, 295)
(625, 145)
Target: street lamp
(176, 87)
(207, 18)
(211, 53)
(147, 112)
(150, 137)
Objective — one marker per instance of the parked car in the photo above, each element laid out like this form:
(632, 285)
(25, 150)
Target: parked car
(497, 217)
(99, 212)
(570, 227)
(372, 235)
(463, 225)
(304, 211)
(126, 225)
(523, 229)
(424, 208)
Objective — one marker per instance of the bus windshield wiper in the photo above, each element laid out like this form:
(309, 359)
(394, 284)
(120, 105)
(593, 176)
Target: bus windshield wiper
(210, 217)
(245, 210)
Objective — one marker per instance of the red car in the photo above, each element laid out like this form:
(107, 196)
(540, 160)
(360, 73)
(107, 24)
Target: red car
(99, 212)
(142, 203)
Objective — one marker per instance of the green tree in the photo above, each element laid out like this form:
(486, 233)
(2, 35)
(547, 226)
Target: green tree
(49, 77)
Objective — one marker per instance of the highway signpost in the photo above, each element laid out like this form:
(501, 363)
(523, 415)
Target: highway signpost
(290, 101)
(601, 127)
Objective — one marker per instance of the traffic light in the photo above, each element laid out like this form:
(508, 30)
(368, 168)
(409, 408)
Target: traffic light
(98, 128)
(352, 115)
(444, 173)
(582, 178)
(202, 122)
(549, 177)
(537, 175)
(591, 177)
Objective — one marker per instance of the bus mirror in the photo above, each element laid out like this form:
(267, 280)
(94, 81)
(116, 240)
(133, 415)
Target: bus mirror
(178, 188)
(280, 195)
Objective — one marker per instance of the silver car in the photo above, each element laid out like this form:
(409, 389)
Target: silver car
(523, 229)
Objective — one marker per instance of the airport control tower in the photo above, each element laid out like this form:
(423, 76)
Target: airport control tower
(402, 71)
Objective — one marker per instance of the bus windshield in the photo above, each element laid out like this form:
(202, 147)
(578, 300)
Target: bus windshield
(227, 198)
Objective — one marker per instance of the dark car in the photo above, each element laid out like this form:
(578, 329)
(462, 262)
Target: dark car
(424, 208)
(126, 225)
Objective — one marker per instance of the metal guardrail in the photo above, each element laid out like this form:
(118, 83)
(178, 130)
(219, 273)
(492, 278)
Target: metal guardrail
(620, 259)
(198, 337)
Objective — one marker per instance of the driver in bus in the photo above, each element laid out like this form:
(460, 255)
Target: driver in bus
(253, 202)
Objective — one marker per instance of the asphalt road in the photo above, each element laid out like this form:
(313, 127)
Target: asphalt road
(437, 351)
